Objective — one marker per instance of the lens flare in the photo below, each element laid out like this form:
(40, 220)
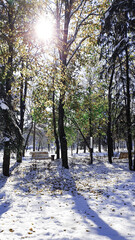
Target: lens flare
(44, 29)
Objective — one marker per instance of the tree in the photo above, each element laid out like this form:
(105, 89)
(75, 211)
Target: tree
(8, 72)
(45, 101)
(73, 21)
(116, 37)
(13, 27)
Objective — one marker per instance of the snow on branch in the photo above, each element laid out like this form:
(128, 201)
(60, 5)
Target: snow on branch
(3, 105)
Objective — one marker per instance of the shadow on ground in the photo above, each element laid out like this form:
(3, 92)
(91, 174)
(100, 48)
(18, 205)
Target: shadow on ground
(52, 177)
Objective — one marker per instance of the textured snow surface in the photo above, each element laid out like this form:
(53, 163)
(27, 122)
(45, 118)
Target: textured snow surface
(43, 201)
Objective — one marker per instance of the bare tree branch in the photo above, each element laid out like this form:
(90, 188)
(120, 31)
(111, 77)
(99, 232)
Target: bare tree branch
(78, 28)
(72, 13)
(78, 46)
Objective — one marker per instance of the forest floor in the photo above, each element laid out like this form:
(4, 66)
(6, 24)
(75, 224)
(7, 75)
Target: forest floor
(43, 201)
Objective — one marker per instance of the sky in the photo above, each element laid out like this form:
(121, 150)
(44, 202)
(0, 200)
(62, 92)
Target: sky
(41, 200)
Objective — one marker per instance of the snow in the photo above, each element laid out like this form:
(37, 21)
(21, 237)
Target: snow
(3, 105)
(121, 42)
(6, 139)
(43, 201)
(107, 14)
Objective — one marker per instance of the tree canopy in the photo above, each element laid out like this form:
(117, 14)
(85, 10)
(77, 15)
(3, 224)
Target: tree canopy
(58, 81)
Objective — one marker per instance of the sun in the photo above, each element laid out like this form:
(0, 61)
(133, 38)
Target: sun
(44, 29)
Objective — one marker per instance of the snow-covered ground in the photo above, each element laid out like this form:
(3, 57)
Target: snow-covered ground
(44, 201)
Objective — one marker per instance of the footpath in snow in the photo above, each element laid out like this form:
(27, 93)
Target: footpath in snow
(43, 201)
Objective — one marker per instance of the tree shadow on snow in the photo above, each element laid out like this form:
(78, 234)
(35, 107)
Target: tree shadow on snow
(53, 177)
(4, 206)
(82, 207)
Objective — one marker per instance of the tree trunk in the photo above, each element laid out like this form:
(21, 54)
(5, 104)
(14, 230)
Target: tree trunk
(34, 136)
(99, 143)
(64, 13)
(22, 106)
(62, 135)
(109, 130)
(57, 147)
(77, 148)
(128, 114)
(55, 131)
(134, 155)
(90, 124)
(84, 147)
(85, 140)
(91, 152)
(9, 78)
(19, 155)
(6, 159)
(27, 139)
(23, 94)
(63, 53)
(110, 142)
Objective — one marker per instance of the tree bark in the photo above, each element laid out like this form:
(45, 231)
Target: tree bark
(34, 136)
(134, 155)
(109, 130)
(77, 148)
(63, 51)
(6, 159)
(128, 113)
(19, 154)
(90, 123)
(55, 131)
(23, 94)
(99, 143)
(62, 135)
